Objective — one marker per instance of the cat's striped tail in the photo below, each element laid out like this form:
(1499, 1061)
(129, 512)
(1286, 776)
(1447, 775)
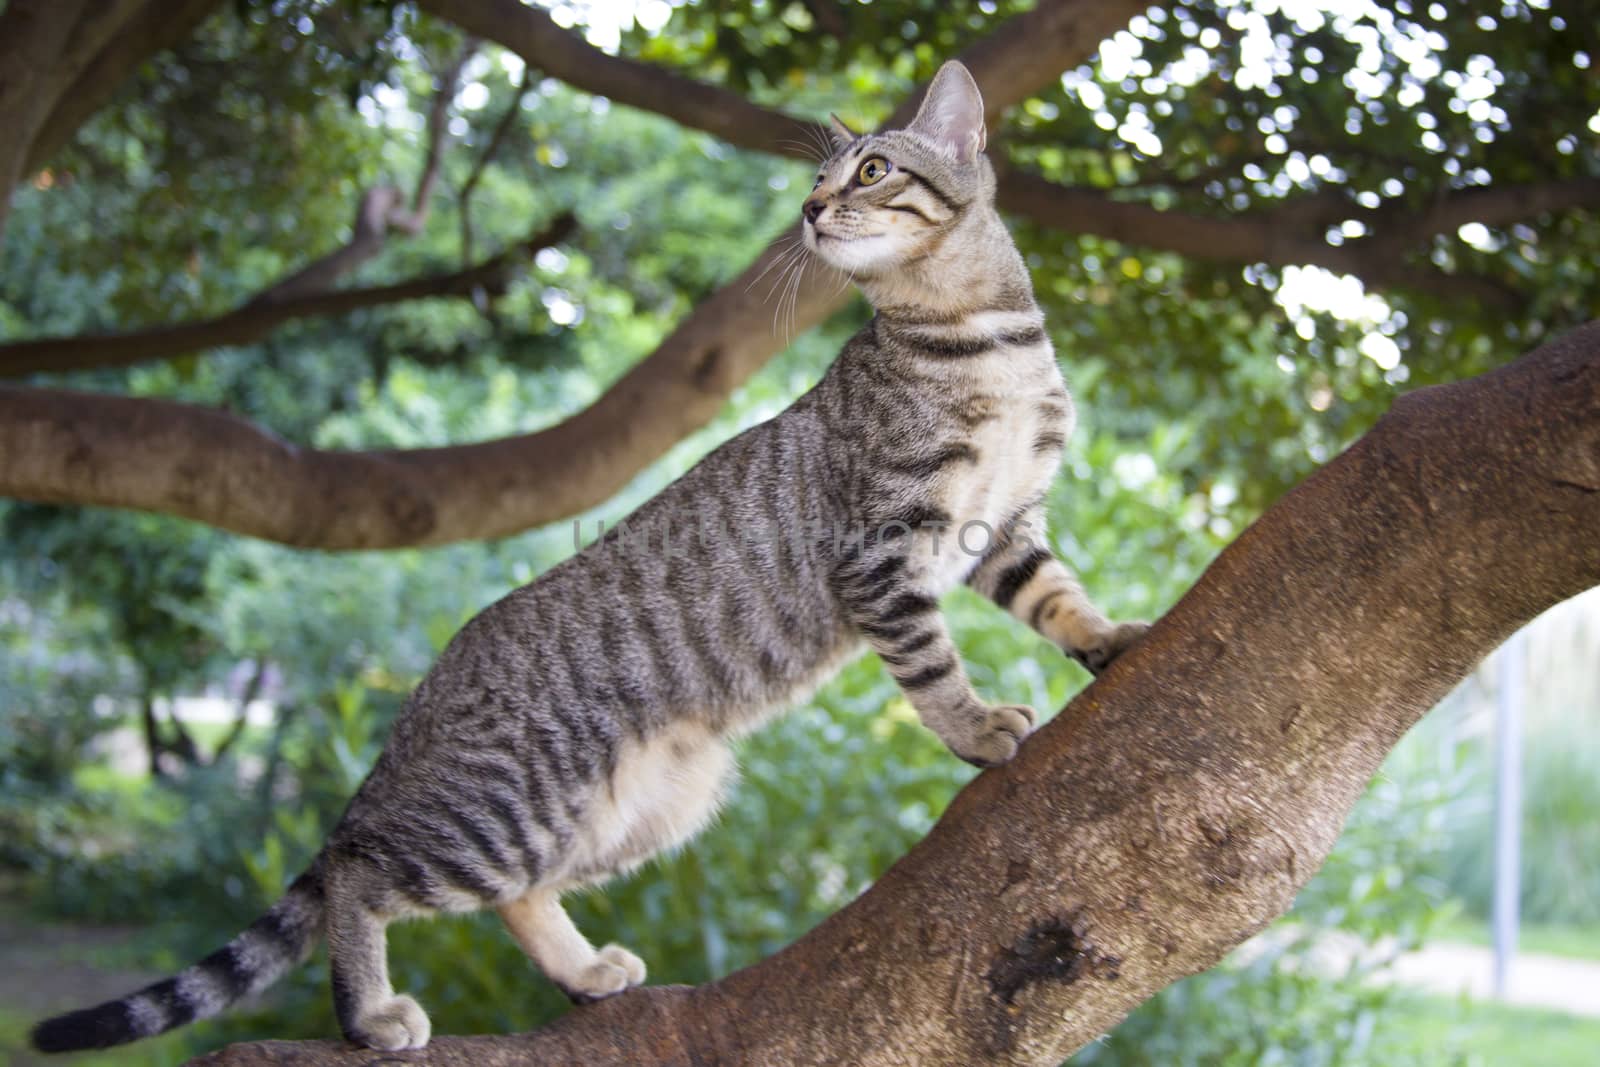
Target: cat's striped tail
(277, 941)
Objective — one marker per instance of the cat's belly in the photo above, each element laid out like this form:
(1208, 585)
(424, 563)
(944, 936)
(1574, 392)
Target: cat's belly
(661, 791)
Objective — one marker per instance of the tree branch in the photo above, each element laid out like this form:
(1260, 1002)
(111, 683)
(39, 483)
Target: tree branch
(533, 34)
(490, 150)
(1022, 54)
(63, 447)
(1292, 234)
(1177, 805)
(383, 208)
(37, 43)
(155, 28)
(259, 317)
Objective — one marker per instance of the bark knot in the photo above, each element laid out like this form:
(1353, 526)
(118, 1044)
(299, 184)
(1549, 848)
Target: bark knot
(1056, 949)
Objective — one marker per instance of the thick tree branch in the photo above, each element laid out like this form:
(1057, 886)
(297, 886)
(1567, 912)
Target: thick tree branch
(65, 447)
(155, 28)
(1293, 233)
(1177, 805)
(254, 320)
(45, 47)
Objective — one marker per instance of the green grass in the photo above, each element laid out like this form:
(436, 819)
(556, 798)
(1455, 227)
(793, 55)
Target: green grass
(1480, 1034)
(1573, 942)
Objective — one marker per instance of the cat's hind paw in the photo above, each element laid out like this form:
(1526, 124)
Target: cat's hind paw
(397, 1023)
(614, 970)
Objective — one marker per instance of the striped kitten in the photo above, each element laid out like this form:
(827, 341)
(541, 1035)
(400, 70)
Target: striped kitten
(580, 725)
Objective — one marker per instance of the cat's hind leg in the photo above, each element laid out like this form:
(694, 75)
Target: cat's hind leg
(369, 1011)
(662, 789)
(547, 934)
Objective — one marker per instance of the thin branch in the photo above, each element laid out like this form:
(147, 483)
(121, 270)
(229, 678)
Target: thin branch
(1178, 804)
(496, 139)
(438, 128)
(383, 208)
(241, 715)
(533, 34)
(260, 316)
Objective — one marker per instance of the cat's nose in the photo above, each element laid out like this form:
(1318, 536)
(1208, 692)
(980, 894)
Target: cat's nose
(813, 209)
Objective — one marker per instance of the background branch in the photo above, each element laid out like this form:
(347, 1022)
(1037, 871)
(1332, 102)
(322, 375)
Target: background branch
(260, 316)
(154, 28)
(1024, 53)
(496, 139)
(383, 208)
(1176, 806)
(64, 447)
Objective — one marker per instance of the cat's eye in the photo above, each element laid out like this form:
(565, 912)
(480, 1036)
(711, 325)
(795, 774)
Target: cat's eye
(872, 171)
(817, 182)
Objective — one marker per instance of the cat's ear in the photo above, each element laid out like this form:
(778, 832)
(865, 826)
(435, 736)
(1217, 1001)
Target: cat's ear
(843, 136)
(951, 115)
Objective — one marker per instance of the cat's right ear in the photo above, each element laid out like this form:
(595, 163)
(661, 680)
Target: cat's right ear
(951, 115)
(843, 136)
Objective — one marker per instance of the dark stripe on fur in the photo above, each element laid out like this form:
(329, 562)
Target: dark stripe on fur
(1014, 577)
(1049, 441)
(906, 606)
(932, 464)
(975, 346)
(910, 209)
(938, 194)
(929, 675)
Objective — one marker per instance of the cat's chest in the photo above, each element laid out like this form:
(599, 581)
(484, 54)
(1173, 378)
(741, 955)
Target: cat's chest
(1014, 429)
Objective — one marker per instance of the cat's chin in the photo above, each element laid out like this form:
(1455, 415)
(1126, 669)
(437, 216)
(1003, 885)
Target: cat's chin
(857, 255)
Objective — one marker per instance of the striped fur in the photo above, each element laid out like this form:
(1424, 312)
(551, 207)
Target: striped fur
(580, 725)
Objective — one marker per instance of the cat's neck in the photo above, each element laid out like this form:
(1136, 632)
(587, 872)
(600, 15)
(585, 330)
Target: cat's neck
(976, 267)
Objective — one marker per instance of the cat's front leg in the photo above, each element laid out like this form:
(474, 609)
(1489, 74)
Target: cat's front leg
(1022, 575)
(902, 623)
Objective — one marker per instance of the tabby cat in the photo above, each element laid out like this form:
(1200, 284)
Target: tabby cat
(581, 724)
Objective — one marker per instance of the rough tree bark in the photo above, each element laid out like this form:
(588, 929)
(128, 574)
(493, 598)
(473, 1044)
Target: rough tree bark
(1175, 807)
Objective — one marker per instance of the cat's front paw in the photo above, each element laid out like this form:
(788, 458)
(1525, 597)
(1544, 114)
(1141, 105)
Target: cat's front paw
(995, 734)
(614, 970)
(397, 1023)
(1112, 643)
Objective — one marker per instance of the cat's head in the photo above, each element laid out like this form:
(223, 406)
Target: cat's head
(887, 199)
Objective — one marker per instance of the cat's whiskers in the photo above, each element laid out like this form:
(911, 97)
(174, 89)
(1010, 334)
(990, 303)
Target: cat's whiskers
(809, 149)
(788, 244)
(790, 287)
(780, 287)
(822, 139)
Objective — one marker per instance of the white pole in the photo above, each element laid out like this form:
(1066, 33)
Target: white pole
(1508, 807)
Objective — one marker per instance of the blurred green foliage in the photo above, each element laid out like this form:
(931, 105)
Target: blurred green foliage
(1204, 393)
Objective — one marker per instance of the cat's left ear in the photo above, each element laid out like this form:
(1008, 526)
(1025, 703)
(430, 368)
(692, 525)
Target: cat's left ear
(951, 115)
(843, 136)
